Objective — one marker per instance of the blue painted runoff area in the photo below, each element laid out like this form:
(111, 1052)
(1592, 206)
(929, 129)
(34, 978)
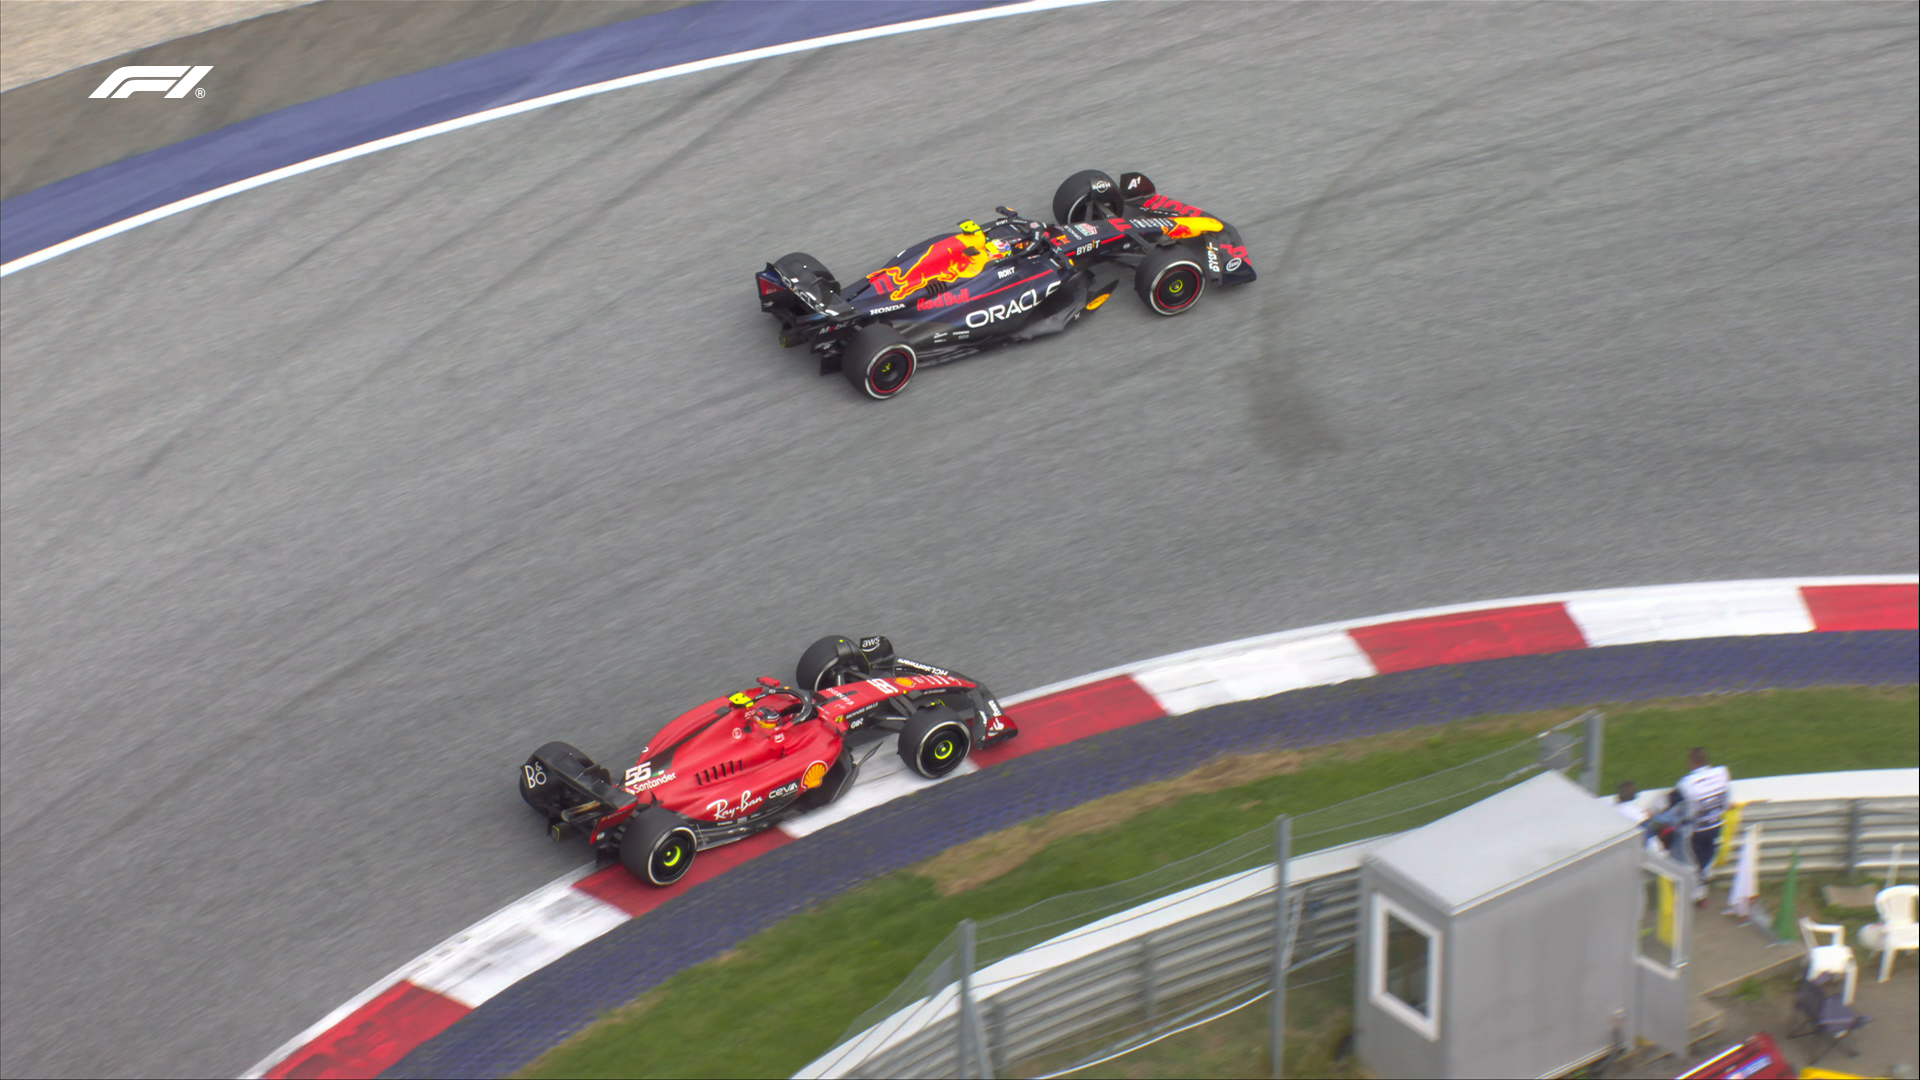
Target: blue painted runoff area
(78, 205)
(532, 1016)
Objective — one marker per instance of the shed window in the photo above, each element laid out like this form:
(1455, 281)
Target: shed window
(1406, 967)
(1407, 963)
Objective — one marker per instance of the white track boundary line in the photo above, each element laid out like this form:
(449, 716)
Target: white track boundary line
(442, 128)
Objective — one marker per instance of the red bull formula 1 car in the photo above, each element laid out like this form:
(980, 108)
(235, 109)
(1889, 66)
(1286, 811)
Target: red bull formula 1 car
(742, 763)
(1010, 279)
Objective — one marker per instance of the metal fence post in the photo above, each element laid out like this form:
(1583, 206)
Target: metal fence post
(973, 1058)
(1282, 852)
(1853, 837)
(992, 1036)
(1596, 735)
(1149, 975)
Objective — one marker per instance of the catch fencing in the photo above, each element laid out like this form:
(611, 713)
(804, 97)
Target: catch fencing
(1085, 977)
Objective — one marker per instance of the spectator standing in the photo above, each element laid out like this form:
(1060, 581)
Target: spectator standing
(1626, 802)
(1663, 828)
(1704, 791)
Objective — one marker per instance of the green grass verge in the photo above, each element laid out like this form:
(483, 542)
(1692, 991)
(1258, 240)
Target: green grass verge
(785, 995)
(1236, 1046)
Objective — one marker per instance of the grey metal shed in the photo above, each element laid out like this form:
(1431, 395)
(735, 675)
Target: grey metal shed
(1499, 941)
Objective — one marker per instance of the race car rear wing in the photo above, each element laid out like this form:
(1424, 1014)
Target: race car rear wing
(594, 794)
(783, 285)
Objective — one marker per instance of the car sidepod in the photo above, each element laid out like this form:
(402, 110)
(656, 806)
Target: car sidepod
(1058, 310)
(828, 786)
(1018, 301)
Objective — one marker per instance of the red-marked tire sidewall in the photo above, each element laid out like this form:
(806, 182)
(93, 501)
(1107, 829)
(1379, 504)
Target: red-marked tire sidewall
(1170, 281)
(879, 362)
(888, 373)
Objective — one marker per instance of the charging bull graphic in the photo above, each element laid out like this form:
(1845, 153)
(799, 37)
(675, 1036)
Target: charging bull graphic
(1176, 228)
(949, 259)
(1184, 227)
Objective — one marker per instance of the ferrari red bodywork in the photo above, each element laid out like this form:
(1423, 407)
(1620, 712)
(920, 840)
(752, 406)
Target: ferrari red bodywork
(735, 765)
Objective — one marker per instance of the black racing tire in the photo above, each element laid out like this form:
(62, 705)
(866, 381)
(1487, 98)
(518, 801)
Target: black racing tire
(1083, 198)
(878, 361)
(657, 847)
(1170, 280)
(822, 665)
(540, 785)
(935, 741)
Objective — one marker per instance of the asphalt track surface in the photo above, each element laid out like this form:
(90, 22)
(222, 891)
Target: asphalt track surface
(323, 504)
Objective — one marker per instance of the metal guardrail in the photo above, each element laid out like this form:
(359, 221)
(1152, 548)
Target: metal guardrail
(1226, 952)
(1832, 835)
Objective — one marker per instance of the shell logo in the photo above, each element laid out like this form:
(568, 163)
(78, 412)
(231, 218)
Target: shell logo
(904, 682)
(815, 775)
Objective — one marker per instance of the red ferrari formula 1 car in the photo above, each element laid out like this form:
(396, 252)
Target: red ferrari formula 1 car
(738, 764)
(1010, 279)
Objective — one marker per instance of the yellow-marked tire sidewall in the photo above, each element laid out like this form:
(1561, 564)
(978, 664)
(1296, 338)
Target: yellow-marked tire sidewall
(942, 749)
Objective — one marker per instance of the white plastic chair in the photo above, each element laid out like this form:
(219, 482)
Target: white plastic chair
(1899, 930)
(1835, 958)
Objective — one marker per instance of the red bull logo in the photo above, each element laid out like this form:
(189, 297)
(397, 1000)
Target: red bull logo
(948, 259)
(945, 299)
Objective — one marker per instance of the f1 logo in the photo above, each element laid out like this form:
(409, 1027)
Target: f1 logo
(176, 79)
